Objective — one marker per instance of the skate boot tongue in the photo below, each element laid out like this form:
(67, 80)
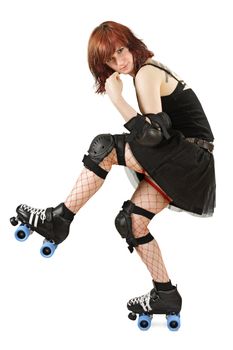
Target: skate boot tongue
(49, 214)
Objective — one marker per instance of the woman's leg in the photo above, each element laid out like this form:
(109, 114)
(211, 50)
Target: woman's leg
(150, 199)
(145, 196)
(164, 298)
(53, 223)
(88, 182)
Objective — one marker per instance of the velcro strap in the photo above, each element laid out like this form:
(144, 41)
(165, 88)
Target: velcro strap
(139, 241)
(130, 208)
(143, 212)
(120, 148)
(145, 239)
(135, 125)
(89, 164)
(132, 243)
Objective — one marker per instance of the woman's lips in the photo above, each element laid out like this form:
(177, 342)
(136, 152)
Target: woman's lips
(125, 67)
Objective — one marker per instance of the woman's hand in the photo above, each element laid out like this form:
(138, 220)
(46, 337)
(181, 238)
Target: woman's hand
(114, 87)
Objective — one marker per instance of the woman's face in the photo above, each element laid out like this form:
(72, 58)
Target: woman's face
(121, 61)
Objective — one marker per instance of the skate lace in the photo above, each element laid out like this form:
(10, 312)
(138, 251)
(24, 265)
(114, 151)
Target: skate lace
(143, 300)
(34, 211)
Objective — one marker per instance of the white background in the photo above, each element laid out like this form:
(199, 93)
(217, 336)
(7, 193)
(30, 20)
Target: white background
(49, 115)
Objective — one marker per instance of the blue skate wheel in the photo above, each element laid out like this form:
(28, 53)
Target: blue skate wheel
(144, 322)
(48, 249)
(173, 322)
(22, 233)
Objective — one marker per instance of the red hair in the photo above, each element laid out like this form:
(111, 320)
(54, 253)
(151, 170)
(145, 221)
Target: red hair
(102, 45)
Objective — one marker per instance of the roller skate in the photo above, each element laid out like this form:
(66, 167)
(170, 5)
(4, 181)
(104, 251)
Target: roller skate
(51, 223)
(156, 302)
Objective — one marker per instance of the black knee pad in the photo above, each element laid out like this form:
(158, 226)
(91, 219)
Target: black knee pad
(123, 223)
(101, 147)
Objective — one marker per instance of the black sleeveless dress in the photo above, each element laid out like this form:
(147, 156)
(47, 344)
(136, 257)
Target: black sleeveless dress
(183, 170)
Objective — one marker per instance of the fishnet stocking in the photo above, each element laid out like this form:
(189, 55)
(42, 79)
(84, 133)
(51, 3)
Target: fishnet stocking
(145, 196)
(85, 187)
(88, 184)
(148, 198)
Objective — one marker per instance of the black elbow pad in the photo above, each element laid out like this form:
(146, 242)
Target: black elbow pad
(150, 134)
(161, 121)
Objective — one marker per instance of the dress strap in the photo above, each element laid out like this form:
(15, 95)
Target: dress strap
(165, 69)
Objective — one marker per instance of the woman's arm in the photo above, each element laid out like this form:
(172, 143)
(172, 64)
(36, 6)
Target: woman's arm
(147, 83)
(114, 87)
(124, 108)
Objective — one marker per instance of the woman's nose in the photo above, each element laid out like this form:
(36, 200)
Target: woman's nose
(120, 62)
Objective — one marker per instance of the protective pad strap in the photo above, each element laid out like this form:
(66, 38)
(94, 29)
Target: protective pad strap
(135, 126)
(130, 208)
(145, 239)
(139, 241)
(89, 164)
(119, 141)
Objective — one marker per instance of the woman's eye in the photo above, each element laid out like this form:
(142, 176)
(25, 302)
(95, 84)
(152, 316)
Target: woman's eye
(120, 50)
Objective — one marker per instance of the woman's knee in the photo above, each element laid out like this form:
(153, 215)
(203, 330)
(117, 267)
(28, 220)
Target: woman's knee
(139, 225)
(127, 224)
(101, 155)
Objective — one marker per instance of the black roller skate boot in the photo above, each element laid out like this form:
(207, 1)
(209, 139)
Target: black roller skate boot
(51, 223)
(166, 302)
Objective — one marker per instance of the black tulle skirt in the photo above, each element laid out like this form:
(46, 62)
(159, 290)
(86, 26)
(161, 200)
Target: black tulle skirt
(183, 170)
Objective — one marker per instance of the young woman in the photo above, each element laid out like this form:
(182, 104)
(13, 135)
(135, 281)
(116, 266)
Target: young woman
(169, 146)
